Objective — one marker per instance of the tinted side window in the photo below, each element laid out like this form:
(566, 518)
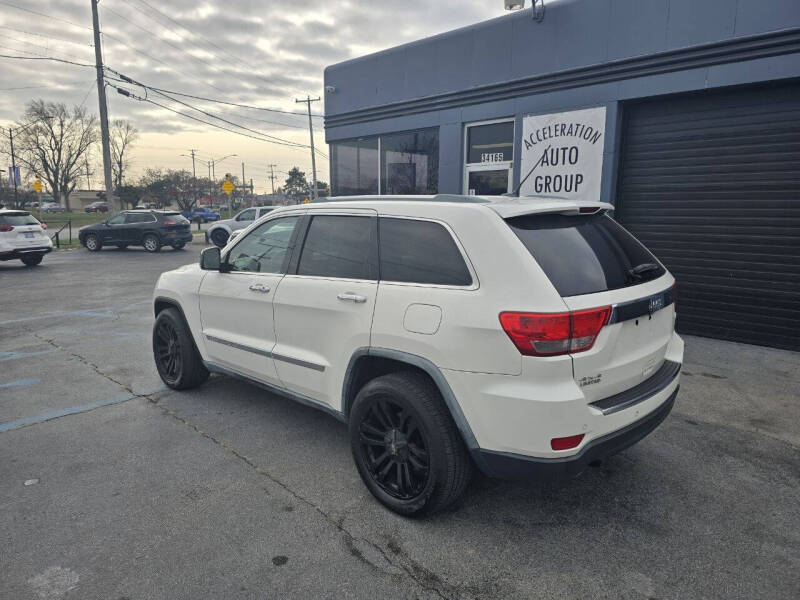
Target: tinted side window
(420, 252)
(338, 247)
(139, 218)
(265, 249)
(117, 220)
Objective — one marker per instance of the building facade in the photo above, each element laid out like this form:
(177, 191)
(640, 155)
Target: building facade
(684, 115)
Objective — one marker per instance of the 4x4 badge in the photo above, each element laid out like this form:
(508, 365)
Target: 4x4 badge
(656, 303)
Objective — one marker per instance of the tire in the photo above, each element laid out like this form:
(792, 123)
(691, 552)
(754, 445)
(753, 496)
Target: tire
(177, 359)
(178, 246)
(92, 243)
(151, 243)
(219, 237)
(33, 260)
(405, 445)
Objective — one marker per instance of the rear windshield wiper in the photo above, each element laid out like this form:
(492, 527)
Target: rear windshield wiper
(639, 270)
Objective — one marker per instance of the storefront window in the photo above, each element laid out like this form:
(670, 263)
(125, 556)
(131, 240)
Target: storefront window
(409, 164)
(491, 143)
(354, 167)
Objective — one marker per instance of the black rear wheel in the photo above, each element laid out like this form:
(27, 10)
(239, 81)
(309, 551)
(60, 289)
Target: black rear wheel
(151, 243)
(405, 445)
(177, 359)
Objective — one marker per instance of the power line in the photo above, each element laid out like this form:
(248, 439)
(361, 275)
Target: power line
(125, 92)
(174, 93)
(69, 62)
(193, 34)
(46, 16)
(49, 37)
(38, 46)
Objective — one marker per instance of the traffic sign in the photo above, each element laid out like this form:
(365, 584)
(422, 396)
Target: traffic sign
(227, 187)
(37, 186)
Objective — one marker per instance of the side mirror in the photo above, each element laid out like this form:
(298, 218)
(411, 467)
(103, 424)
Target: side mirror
(210, 259)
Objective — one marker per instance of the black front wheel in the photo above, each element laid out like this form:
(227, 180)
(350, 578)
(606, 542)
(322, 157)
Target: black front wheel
(177, 359)
(405, 445)
(32, 259)
(219, 237)
(92, 243)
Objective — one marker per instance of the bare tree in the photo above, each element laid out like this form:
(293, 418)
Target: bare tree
(122, 135)
(55, 143)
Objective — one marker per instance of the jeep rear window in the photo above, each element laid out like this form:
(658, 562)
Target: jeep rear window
(585, 254)
(17, 219)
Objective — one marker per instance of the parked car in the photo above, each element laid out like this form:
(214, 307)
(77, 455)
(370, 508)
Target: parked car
(220, 231)
(149, 228)
(97, 206)
(201, 215)
(22, 237)
(522, 336)
(52, 207)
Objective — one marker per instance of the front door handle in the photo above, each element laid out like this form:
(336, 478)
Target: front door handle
(259, 287)
(357, 298)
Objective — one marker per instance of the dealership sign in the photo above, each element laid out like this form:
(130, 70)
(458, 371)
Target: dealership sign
(566, 150)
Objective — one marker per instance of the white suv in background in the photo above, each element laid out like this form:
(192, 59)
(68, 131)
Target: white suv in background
(220, 231)
(524, 336)
(22, 237)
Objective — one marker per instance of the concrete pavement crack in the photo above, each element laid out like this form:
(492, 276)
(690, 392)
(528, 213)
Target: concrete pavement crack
(424, 578)
(86, 362)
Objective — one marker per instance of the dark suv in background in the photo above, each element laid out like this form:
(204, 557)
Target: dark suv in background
(149, 228)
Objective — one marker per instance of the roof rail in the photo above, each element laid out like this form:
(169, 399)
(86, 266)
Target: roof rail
(457, 198)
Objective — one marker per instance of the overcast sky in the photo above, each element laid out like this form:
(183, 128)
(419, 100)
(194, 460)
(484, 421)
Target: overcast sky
(260, 52)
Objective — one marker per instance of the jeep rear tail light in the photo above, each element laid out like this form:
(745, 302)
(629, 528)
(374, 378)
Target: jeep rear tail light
(4, 227)
(551, 334)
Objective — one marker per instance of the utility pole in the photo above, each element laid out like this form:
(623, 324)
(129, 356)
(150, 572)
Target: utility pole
(208, 162)
(194, 171)
(272, 176)
(88, 182)
(308, 102)
(244, 185)
(101, 96)
(13, 165)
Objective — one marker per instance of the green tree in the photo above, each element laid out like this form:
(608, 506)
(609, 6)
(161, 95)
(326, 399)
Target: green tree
(296, 184)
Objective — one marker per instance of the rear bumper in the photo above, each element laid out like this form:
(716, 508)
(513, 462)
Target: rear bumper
(510, 466)
(20, 252)
(182, 237)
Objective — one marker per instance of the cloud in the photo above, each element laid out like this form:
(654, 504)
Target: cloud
(258, 52)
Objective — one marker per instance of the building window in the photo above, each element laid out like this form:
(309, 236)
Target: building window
(354, 167)
(409, 164)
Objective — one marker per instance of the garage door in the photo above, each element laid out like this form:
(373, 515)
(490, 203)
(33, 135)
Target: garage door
(711, 183)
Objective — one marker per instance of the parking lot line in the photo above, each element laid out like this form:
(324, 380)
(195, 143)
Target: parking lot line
(19, 383)
(74, 410)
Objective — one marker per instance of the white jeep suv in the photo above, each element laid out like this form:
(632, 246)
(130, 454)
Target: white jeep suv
(524, 336)
(22, 237)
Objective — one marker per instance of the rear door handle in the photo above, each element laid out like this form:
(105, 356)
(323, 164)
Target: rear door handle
(259, 287)
(357, 298)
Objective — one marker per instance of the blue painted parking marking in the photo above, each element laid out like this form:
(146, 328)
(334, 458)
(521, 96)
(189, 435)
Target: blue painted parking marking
(19, 383)
(73, 410)
(12, 355)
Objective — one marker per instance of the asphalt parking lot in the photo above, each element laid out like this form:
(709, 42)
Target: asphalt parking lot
(113, 487)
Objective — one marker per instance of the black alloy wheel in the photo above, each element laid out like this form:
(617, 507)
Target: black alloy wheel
(396, 450)
(406, 446)
(167, 349)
